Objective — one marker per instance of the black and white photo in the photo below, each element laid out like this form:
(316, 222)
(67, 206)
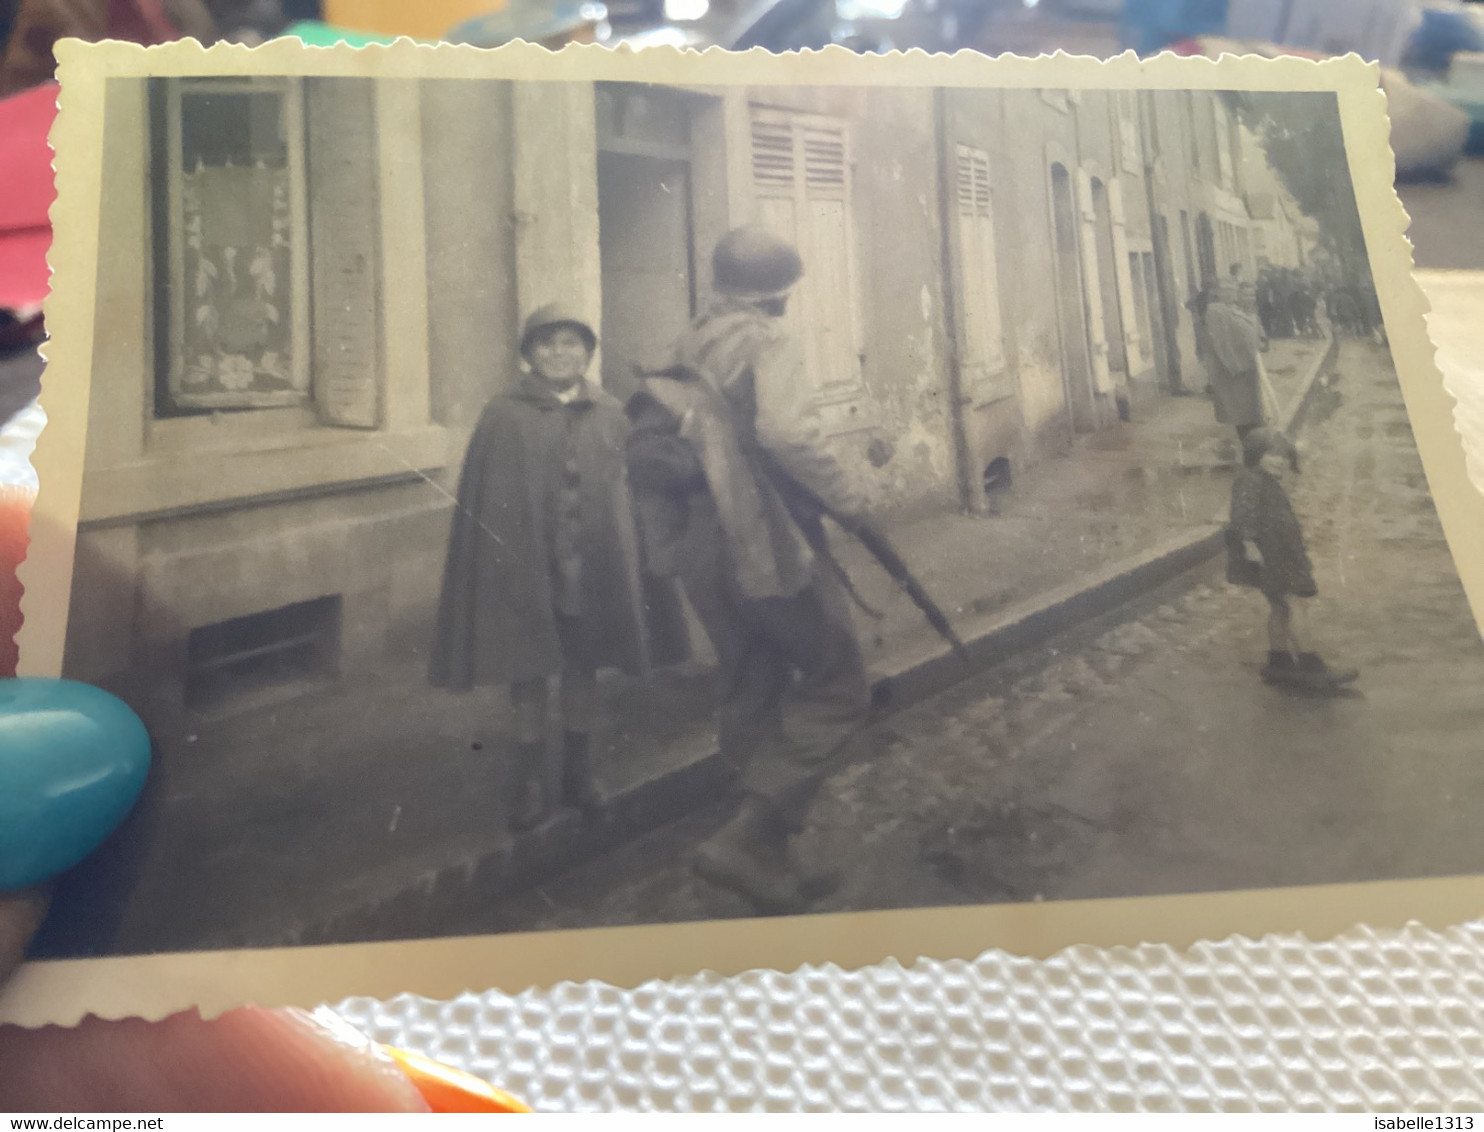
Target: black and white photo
(519, 504)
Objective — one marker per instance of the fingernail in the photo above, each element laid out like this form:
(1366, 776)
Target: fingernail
(444, 1088)
(447, 1089)
(21, 914)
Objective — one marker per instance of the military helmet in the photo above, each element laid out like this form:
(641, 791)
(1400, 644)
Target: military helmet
(751, 262)
(553, 315)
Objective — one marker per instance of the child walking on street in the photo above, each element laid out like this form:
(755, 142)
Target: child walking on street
(542, 577)
(1265, 547)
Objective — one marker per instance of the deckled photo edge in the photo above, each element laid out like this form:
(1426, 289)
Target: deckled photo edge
(65, 990)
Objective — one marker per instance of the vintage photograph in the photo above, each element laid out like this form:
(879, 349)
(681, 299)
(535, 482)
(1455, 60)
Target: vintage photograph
(519, 505)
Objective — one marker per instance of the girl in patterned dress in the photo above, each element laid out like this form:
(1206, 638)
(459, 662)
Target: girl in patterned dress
(1266, 550)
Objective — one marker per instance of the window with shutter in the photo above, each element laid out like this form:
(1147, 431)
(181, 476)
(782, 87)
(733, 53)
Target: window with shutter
(230, 236)
(253, 167)
(801, 179)
(982, 356)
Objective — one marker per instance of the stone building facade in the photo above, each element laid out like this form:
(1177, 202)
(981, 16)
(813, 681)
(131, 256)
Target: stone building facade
(316, 284)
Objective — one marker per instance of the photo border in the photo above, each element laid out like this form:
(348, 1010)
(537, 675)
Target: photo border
(154, 985)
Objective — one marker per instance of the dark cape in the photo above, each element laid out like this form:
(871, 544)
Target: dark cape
(496, 623)
(1232, 365)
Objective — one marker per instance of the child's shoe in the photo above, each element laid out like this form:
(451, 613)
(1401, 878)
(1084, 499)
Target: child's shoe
(1279, 668)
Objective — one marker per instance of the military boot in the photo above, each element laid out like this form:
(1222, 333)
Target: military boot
(579, 783)
(529, 804)
(1279, 668)
(749, 856)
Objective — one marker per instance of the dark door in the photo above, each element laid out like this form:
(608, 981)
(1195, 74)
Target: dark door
(1206, 250)
(1166, 306)
(644, 227)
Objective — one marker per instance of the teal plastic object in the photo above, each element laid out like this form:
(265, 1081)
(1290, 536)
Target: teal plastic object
(313, 33)
(532, 21)
(73, 760)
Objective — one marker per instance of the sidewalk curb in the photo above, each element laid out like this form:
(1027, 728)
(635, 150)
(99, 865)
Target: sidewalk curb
(683, 789)
(1298, 408)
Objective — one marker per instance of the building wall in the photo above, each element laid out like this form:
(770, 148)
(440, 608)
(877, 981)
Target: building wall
(470, 224)
(1192, 179)
(296, 510)
(907, 353)
(1036, 424)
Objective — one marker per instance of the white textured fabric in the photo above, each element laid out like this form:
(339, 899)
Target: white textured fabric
(17, 442)
(1380, 1021)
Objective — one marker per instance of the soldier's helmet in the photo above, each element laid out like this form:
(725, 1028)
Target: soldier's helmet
(750, 262)
(554, 315)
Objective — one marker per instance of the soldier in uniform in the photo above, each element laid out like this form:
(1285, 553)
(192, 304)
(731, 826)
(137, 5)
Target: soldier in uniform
(729, 465)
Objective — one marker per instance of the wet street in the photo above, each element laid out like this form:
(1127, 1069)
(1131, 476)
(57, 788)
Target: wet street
(1141, 754)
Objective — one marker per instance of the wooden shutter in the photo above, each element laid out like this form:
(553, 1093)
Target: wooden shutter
(801, 178)
(982, 360)
(345, 219)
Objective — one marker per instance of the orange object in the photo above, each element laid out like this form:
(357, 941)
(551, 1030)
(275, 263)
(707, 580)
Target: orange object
(447, 1089)
(15, 515)
(428, 19)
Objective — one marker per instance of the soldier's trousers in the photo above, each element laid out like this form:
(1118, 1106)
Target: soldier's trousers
(793, 684)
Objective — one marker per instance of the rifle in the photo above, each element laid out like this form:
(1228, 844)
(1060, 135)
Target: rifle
(873, 539)
(795, 494)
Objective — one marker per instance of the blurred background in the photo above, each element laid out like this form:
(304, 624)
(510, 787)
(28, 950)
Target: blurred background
(1431, 54)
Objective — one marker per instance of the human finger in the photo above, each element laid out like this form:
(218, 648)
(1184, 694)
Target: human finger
(21, 914)
(247, 1060)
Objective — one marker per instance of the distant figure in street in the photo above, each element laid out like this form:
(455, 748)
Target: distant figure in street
(1272, 308)
(1303, 307)
(727, 448)
(1197, 305)
(1265, 549)
(542, 577)
(1234, 343)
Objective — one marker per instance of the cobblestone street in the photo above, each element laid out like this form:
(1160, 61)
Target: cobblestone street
(1142, 754)
(1136, 753)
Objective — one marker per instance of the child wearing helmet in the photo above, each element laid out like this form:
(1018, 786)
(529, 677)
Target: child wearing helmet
(1265, 546)
(542, 577)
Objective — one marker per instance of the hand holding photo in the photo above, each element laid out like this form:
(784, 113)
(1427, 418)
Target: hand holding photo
(607, 515)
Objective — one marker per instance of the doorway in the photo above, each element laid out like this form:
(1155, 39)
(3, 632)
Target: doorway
(1206, 251)
(1166, 308)
(1107, 286)
(644, 227)
(1077, 375)
(1157, 339)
